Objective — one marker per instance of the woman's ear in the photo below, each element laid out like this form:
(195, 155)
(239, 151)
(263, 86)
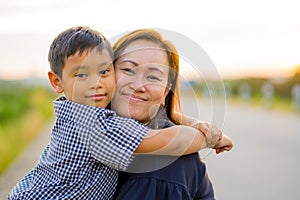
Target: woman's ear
(167, 90)
(55, 82)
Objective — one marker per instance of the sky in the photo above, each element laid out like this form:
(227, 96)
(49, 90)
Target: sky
(242, 38)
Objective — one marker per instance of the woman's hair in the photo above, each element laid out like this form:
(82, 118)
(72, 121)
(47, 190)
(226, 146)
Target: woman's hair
(172, 101)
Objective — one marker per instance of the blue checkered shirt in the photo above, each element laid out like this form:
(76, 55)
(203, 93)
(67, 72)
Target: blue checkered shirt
(88, 146)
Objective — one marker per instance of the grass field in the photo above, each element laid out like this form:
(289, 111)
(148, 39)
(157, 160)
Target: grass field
(23, 113)
(277, 103)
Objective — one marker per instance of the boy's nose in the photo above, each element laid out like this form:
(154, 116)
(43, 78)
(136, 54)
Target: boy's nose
(96, 82)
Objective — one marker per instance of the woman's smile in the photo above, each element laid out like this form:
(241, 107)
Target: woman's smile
(133, 98)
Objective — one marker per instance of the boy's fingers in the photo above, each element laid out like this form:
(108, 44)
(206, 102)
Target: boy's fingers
(205, 129)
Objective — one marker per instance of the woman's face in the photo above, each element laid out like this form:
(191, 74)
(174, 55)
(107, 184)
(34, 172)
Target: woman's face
(141, 77)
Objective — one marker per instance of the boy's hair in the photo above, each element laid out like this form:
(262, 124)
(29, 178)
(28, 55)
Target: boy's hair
(68, 42)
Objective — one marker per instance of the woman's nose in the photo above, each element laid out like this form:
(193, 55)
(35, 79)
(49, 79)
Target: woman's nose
(138, 84)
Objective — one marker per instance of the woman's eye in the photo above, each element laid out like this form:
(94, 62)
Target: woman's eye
(128, 71)
(154, 78)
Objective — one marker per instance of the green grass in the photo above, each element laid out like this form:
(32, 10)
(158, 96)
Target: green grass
(277, 103)
(24, 111)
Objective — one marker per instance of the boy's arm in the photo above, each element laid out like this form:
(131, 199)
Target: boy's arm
(225, 144)
(115, 139)
(212, 132)
(215, 138)
(180, 140)
(176, 141)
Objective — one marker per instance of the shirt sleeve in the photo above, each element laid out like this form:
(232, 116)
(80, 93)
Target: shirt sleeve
(114, 140)
(25, 183)
(109, 139)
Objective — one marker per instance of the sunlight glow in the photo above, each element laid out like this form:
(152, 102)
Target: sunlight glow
(247, 39)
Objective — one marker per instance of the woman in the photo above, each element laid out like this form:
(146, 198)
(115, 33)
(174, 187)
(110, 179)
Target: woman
(146, 68)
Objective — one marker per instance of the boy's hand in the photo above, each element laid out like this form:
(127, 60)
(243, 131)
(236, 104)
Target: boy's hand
(212, 133)
(225, 144)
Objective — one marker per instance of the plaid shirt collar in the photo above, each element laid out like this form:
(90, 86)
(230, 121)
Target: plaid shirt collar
(79, 113)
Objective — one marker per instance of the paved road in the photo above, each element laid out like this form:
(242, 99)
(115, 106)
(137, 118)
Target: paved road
(24, 163)
(264, 163)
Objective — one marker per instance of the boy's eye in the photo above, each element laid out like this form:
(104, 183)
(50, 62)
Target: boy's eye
(81, 75)
(105, 71)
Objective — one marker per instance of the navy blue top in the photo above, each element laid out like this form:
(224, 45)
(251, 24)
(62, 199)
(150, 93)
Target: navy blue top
(173, 178)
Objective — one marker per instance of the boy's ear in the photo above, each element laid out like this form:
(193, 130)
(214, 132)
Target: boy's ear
(55, 82)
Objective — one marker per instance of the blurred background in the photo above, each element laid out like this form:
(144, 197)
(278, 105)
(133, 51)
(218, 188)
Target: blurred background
(254, 96)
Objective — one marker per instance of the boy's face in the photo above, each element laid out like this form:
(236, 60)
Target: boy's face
(88, 78)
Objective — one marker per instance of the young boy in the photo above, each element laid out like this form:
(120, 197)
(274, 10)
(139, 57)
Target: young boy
(89, 143)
